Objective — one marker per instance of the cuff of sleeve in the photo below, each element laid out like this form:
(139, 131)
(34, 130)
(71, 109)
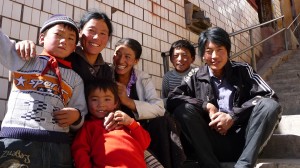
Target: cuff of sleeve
(79, 119)
(204, 105)
(234, 117)
(133, 125)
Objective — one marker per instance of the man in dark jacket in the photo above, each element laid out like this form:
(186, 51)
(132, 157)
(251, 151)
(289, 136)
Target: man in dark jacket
(226, 110)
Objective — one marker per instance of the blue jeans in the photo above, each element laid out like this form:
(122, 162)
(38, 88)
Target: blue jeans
(32, 154)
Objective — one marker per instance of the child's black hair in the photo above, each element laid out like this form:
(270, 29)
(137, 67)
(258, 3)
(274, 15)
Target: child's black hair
(102, 84)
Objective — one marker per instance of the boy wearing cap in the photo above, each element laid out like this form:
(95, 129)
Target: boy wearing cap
(46, 100)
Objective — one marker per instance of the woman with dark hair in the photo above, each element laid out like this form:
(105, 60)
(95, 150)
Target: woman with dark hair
(136, 89)
(95, 31)
(140, 100)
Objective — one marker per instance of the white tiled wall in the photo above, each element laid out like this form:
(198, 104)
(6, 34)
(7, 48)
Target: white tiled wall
(154, 23)
(3, 109)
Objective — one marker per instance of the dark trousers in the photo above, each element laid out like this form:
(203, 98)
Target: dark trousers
(241, 144)
(165, 143)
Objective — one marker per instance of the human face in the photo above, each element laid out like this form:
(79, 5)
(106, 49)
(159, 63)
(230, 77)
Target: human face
(124, 60)
(94, 37)
(181, 59)
(59, 41)
(101, 102)
(216, 57)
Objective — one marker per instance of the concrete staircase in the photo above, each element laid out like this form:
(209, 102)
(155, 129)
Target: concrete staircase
(282, 73)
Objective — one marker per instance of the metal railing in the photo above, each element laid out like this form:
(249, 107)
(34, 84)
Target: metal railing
(294, 21)
(165, 55)
(252, 46)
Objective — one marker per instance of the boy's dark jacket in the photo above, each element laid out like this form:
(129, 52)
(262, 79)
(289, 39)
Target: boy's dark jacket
(196, 89)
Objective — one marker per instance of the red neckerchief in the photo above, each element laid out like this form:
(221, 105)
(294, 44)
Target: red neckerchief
(52, 64)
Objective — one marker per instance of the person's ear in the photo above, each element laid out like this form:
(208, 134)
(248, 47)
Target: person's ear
(114, 58)
(136, 61)
(42, 38)
(203, 59)
(80, 35)
(74, 47)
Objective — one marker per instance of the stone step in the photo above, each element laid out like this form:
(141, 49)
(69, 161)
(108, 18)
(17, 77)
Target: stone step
(289, 125)
(290, 65)
(270, 163)
(278, 163)
(283, 95)
(261, 163)
(285, 142)
(282, 81)
(282, 146)
(288, 75)
(267, 66)
(290, 108)
(286, 87)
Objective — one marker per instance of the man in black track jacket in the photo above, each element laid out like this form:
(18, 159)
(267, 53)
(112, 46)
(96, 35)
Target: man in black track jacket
(226, 110)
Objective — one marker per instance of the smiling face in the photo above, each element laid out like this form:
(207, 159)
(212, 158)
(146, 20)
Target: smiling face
(216, 57)
(101, 102)
(124, 60)
(181, 59)
(94, 37)
(59, 40)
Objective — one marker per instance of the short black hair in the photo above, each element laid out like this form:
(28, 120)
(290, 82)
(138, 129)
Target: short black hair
(215, 35)
(102, 84)
(96, 15)
(133, 44)
(182, 44)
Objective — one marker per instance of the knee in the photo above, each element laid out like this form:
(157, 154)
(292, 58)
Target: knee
(185, 111)
(270, 107)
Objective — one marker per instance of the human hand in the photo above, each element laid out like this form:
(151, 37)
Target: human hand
(122, 92)
(110, 124)
(26, 49)
(211, 109)
(221, 122)
(122, 118)
(66, 116)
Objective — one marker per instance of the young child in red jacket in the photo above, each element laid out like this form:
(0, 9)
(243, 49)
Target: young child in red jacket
(94, 146)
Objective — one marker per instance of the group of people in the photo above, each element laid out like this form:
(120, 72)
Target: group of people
(68, 107)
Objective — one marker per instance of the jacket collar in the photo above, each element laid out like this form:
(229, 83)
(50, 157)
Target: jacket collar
(203, 72)
(59, 60)
(99, 60)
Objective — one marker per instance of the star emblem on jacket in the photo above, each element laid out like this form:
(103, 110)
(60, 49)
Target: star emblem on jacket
(20, 80)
